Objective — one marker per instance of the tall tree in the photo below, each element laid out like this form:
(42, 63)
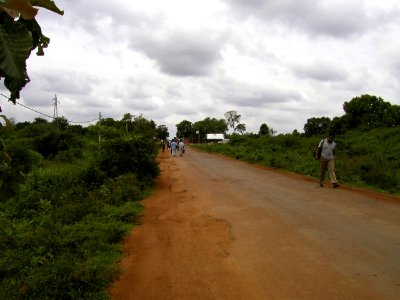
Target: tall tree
(338, 125)
(264, 130)
(126, 122)
(61, 123)
(241, 128)
(209, 125)
(232, 119)
(370, 112)
(127, 117)
(162, 132)
(184, 129)
(316, 126)
(143, 126)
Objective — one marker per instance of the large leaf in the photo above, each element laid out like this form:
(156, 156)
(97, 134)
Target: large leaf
(15, 85)
(26, 8)
(48, 4)
(8, 122)
(15, 47)
(23, 7)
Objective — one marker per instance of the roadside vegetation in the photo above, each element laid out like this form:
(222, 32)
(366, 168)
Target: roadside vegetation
(66, 201)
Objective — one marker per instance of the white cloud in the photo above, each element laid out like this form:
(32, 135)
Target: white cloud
(275, 62)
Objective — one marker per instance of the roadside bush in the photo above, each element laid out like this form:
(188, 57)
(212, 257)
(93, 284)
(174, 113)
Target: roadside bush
(60, 232)
(61, 238)
(68, 155)
(14, 169)
(53, 141)
(133, 155)
(287, 141)
(124, 188)
(93, 177)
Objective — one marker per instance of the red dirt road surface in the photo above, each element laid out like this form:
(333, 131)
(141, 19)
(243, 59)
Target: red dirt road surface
(217, 228)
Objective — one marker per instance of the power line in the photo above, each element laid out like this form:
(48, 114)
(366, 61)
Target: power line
(38, 112)
(81, 122)
(34, 110)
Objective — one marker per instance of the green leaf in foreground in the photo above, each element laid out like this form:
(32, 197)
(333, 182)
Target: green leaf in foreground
(48, 4)
(15, 47)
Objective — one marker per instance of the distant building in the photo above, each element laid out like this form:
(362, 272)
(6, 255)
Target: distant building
(215, 137)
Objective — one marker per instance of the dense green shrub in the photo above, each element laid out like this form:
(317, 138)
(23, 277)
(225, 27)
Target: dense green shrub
(69, 155)
(62, 227)
(52, 142)
(61, 235)
(135, 154)
(16, 165)
(61, 238)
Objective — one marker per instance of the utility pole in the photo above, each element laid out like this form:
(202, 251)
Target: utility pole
(55, 113)
(99, 131)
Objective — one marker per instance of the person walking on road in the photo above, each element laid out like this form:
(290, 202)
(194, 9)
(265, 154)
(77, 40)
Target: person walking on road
(181, 147)
(173, 147)
(326, 160)
(163, 144)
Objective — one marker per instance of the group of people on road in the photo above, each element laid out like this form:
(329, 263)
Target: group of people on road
(325, 155)
(173, 145)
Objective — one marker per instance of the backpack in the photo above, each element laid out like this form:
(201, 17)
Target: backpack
(318, 149)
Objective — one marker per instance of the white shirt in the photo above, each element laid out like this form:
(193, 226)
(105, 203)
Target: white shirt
(327, 149)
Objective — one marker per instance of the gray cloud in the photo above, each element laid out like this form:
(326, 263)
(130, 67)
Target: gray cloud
(247, 95)
(181, 53)
(63, 81)
(88, 15)
(38, 98)
(143, 104)
(340, 19)
(321, 71)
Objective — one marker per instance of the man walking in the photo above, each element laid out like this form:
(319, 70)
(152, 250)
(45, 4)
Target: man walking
(181, 147)
(173, 147)
(163, 142)
(327, 149)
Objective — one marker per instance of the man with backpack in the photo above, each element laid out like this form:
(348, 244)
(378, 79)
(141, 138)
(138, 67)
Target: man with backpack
(181, 147)
(326, 149)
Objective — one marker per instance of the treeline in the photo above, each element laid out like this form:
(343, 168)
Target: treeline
(68, 194)
(197, 131)
(365, 113)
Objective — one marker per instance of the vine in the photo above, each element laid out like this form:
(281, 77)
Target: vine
(20, 33)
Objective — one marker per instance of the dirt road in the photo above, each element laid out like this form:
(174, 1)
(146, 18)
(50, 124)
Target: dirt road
(217, 228)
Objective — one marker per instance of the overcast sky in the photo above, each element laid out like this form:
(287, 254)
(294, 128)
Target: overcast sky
(277, 62)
